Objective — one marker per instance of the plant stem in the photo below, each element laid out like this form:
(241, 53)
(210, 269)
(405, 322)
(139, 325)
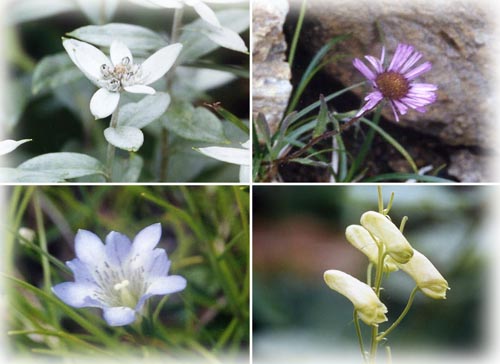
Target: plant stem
(358, 332)
(110, 156)
(401, 317)
(174, 36)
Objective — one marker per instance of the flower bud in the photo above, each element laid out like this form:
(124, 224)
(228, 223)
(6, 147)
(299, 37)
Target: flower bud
(361, 239)
(382, 228)
(426, 276)
(370, 310)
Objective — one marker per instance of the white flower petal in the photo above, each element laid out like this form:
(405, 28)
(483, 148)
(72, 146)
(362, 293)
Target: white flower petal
(147, 239)
(226, 38)
(117, 248)
(119, 316)
(245, 174)
(89, 248)
(7, 146)
(80, 271)
(246, 145)
(204, 11)
(140, 89)
(73, 294)
(159, 264)
(159, 63)
(103, 103)
(228, 155)
(118, 51)
(87, 58)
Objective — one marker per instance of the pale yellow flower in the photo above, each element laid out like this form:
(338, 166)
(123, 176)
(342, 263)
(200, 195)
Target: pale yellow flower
(369, 307)
(426, 276)
(383, 229)
(361, 239)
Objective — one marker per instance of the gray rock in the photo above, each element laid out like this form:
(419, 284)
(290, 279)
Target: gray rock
(469, 167)
(455, 36)
(271, 85)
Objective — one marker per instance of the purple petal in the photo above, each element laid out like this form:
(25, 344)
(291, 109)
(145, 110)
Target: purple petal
(403, 51)
(373, 99)
(382, 56)
(394, 111)
(401, 107)
(361, 67)
(89, 248)
(117, 248)
(162, 286)
(411, 61)
(159, 265)
(74, 294)
(375, 63)
(414, 73)
(147, 238)
(80, 271)
(119, 316)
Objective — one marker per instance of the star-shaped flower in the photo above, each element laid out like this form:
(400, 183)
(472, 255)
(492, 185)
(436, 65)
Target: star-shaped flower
(118, 73)
(118, 276)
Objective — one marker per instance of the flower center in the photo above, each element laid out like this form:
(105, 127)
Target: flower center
(392, 85)
(126, 297)
(122, 74)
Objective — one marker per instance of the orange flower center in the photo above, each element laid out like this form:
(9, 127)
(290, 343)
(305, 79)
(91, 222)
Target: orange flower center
(392, 85)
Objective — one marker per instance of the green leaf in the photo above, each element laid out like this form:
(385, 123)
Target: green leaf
(406, 176)
(16, 175)
(310, 162)
(125, 137)
(197, 45)
(130, 168)
(144, 112)
(134, 36)
(64, 165)
(322, 118)
(193, 123)
(26, 10)
(53, 71)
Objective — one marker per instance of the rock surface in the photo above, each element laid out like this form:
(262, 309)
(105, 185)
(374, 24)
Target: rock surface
(455, 36)
(271, 85)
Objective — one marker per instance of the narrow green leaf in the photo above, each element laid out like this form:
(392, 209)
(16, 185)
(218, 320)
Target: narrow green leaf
(135, 37)
(233, 119)
(322, 118)
(309, 162)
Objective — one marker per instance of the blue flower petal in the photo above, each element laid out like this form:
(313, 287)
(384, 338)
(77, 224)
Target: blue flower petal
(74, 294)
(117, 247)
(89, 248)
(80, 271)
(162, 286)
(147, 238)
(119, 316)
(159, 264)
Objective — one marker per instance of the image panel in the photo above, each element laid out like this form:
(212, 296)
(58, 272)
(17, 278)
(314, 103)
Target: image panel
(356, 274)
(125, 274)
(126, 91)
(373, 91)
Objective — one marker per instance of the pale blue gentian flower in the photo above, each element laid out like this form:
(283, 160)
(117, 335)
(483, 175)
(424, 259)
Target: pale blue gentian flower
(118, 276)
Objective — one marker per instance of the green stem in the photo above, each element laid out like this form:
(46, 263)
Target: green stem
(401, 317)
(378, 283)
(174, 36)
(358, 332)
(369, 274)
(298, 28)
(380, 199)
(110, 156)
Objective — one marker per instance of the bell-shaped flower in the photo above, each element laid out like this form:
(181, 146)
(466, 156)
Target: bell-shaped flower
(221, 35)
(118, 276)
(386, 232)
(118, 73)
(240, 156)
(361, 239)
(9, 145)
(369, 307)
(426, 276)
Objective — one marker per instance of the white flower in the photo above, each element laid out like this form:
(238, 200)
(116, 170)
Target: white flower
(370, 309)
(119, 73)
(240, 156)
(383, 229)
(9, 145)
(361, 239)
(426, 276)
(220, 35)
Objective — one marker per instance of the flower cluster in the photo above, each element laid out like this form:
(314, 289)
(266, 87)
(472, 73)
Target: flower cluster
(395, 83)
(382, 242)
(118, 276)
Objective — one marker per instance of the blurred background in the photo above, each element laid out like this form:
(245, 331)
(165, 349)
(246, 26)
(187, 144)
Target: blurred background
(298, 233)
(205, 234)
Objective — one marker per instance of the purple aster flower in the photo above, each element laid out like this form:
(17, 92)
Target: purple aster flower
(396, 82)
(118, 276)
